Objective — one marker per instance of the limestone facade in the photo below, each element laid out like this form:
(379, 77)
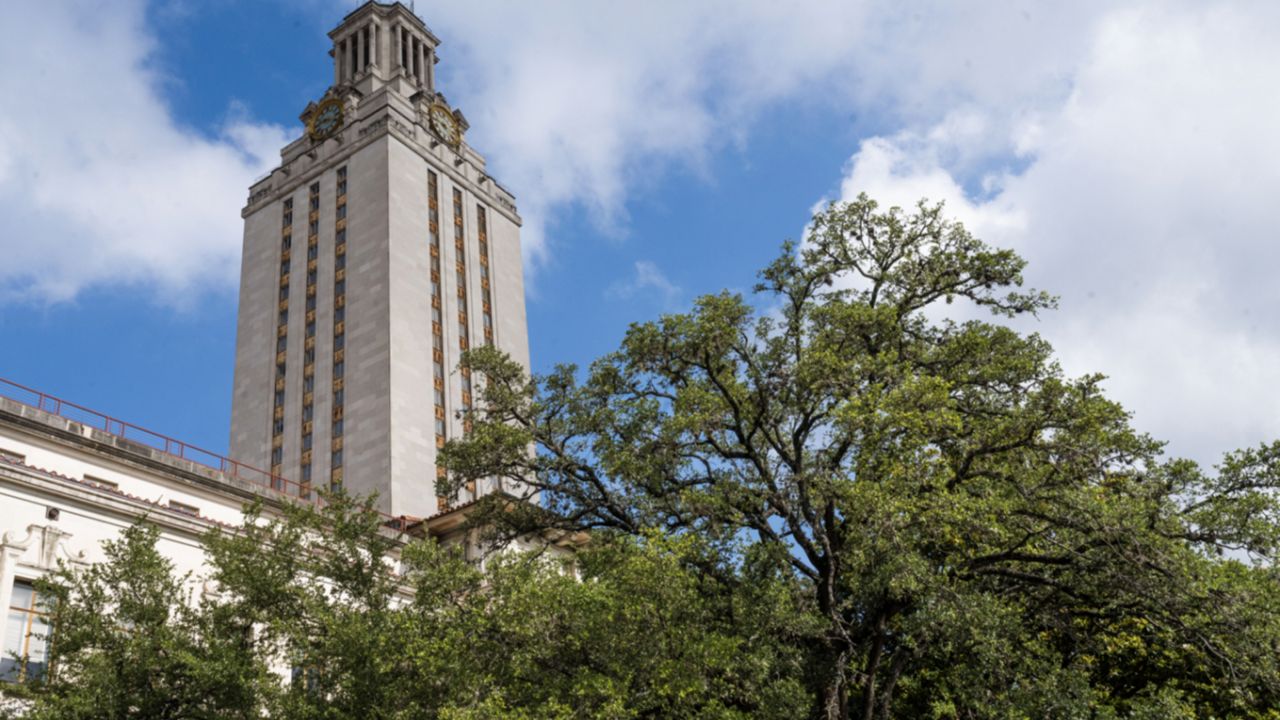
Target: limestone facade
(389, 148)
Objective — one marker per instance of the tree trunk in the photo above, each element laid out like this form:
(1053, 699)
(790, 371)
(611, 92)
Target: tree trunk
(835, 695)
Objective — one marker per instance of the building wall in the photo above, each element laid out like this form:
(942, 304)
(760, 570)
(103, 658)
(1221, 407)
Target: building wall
(388, 146)
(389, 411)
(255, 336)
(412, 401)
(368, 467)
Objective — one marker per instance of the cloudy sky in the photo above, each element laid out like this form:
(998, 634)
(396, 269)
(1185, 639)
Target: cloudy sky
(661, 150)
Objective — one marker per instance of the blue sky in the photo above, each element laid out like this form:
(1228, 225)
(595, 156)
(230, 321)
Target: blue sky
(660, 151)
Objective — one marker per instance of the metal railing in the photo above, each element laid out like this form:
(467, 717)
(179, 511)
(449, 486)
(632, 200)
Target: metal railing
(169, 446)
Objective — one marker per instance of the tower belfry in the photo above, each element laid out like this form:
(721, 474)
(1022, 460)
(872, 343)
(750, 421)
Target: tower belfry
(378, 44)
(375, 254)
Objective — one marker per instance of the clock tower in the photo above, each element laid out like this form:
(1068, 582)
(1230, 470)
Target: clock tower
(375, 254)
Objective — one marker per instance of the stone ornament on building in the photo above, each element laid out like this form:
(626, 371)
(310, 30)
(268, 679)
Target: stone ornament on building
(52, 544)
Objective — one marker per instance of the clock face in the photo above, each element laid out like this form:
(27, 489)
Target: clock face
(326, 120)
(444, 125)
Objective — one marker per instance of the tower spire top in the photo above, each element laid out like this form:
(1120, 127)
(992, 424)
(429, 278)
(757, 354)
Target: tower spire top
(381, 43)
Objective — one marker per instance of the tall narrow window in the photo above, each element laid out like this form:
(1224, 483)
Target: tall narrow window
(26, 635)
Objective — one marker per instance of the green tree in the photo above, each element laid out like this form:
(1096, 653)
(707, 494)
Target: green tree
(132, 639)
(383, 627)
(970, 533)
(837, 506)
(320, 587)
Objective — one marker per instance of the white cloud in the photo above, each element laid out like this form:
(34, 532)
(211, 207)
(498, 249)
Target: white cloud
(1145, 201)
(583, 104)
(648, 278)
(98, 183)
(1125, 148)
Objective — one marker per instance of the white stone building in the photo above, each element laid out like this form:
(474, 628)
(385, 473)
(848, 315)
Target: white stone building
(376, 253)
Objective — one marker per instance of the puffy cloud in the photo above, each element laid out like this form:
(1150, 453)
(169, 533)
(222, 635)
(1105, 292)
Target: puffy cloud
(1125, 149)
(1143, 197)
(581, 104)
(98, 183)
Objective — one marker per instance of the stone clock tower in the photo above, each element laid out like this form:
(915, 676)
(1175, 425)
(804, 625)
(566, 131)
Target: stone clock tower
(376, 253)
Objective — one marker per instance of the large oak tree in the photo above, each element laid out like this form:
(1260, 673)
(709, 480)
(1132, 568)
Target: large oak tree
(967, 531)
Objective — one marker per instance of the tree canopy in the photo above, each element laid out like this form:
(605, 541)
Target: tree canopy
(963, 531)
(830, 500)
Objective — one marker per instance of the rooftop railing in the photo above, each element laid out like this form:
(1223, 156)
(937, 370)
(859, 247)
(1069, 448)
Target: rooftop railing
(172, 447)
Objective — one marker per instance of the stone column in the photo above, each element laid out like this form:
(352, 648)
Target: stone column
(337, 63)
(394, 47)
(431, 69)
(356, 55)
(426, 66)
(417, 61)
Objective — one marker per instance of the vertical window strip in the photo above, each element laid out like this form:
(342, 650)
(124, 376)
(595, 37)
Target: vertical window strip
(336, 464)
(486, 272)
(437, 305)
(307, 430)
(459, 241)
(437, 331)
(282, 346)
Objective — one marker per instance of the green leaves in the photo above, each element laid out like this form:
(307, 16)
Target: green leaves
(924, 492)
(837, 507)
(133, 639)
